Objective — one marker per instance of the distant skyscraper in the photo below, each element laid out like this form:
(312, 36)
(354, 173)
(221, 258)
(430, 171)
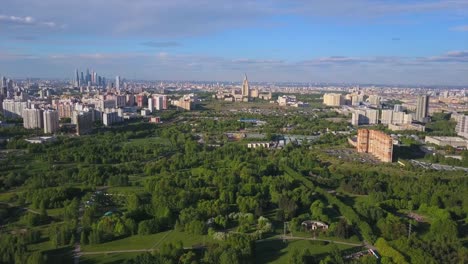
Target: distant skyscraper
(88, 76)
(245, 87)
(117, 83)
(3, 88)
(95, 78)
(77, 78)
(422, 108)
(82, 80)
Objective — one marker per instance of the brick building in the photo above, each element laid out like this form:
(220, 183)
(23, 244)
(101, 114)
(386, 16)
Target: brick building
(376, 143)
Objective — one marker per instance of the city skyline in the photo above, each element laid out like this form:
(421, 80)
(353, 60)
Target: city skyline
(385, 42)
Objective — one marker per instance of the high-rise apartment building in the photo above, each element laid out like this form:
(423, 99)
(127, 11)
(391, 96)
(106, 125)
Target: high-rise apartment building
(120, 100)
(331, 99)
(365, 117)
(141, 100)
(462, 125)
(130, 100)
(393, 117)
(375, 142)
(356, 99)
(51, 121)
(13, 109)
(398, 108)
(422, 108)
(160, 102)
(33, 118)
(151, 104)
(83, 121)
(65, 109)
(387, 117)
(110, 118)
(374, 100)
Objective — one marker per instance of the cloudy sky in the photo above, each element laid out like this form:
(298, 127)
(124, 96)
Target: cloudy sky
(365, 41)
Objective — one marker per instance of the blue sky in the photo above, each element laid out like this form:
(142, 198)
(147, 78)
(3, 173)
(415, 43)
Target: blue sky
(363, 41)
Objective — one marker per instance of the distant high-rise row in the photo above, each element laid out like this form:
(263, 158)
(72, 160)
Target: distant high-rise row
(91, 78)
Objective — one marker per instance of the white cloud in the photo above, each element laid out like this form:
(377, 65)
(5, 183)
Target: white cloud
(25, 21)
(175, 18)
(460, 28)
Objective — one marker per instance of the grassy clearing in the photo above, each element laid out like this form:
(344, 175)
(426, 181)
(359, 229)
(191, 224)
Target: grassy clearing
(149, 241)
(7, 196)
(55, 212)
(107, 258)
(277, 251)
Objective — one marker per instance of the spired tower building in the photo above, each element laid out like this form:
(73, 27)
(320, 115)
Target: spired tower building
(245, 87)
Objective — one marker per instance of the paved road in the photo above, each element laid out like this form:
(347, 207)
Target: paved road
(187, 248)
(123, 251)
(324, 240)
(115, 251)
(23, 208)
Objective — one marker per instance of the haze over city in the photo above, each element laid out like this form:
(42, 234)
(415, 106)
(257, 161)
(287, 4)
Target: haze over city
(365, 41)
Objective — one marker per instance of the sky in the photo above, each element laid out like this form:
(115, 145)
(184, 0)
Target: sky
(340, 41)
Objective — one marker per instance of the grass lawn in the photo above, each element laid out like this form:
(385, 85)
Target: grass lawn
(277, 251)
(218, 105)
(6, 196)
(107, 258)
(55, 212)
(149, 241)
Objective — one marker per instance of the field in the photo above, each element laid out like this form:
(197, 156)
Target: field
(149, 242)
(107, 258)
(277, 251)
